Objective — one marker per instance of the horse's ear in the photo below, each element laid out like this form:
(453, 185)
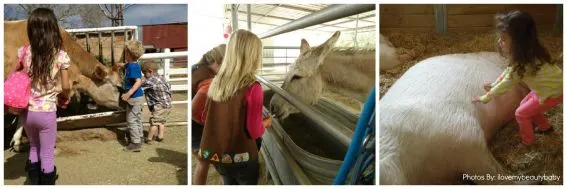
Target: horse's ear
(100, 73)
(326, 47)
(304, 46)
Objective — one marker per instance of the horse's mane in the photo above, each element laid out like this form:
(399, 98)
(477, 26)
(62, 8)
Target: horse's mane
(352, 50)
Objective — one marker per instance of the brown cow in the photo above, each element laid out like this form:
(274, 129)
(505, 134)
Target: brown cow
(86, 73)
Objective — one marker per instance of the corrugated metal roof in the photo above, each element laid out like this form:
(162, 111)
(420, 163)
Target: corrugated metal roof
(274, 15)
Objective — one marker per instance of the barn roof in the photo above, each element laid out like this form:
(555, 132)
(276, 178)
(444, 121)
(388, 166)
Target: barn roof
(274, 15)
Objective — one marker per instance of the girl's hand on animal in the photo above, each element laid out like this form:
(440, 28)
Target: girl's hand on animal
(120, 64)
(63, 100)
(475, 99)
(267, 122)
(487, 87)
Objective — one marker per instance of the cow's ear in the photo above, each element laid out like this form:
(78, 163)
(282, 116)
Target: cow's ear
(100, 73)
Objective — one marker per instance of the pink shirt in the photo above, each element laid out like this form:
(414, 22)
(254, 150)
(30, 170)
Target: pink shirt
(254, 103)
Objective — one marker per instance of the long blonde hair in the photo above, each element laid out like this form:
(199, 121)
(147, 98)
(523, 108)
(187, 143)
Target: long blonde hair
(242, 58)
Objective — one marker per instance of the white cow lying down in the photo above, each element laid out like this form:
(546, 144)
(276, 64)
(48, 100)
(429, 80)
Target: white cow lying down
(431, 133)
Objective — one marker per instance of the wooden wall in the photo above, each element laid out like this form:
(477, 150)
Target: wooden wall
(481, 17)
(417, 18)
(459, 17)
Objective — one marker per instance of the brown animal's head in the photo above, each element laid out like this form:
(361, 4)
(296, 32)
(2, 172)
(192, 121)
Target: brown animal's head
(104, 87)
(109, 87)
(102, 83)
(304, 80)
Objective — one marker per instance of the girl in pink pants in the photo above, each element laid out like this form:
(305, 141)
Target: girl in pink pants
(528, 62)
(531, 110)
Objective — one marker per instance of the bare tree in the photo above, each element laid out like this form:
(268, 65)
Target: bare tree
(62, 12)
(92, 17)
(70, 16)
(114, 12)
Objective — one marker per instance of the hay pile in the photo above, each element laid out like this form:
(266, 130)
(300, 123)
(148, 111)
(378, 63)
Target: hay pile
(546, 155)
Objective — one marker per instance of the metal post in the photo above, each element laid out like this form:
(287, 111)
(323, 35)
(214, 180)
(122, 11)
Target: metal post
(124, 44)
(126, 35)
(136, 33)
(166, 63)
(249, 16)
(112, 48)
(330, 13)
(87, 41)
(100, 58)
(286, 60)
(234, 11)
(440, 18)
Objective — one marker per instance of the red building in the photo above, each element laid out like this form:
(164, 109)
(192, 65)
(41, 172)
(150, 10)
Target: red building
(158, 37)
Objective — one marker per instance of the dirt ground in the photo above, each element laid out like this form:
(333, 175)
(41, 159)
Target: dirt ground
(546, 155)
(95, 156)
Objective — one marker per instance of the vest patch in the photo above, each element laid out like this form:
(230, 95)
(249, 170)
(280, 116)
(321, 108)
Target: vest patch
(205, 154)
(226, 158)
(215, 157)
(243, 157)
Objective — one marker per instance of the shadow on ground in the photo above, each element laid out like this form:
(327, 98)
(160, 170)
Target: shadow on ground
(14, 167)
(175, 158)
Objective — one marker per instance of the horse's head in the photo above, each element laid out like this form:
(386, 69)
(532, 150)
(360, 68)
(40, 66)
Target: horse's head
(304, 79)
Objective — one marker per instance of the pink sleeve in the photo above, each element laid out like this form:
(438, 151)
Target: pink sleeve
(254, 101)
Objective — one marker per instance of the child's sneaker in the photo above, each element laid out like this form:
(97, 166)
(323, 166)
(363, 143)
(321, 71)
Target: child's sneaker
(133, 147)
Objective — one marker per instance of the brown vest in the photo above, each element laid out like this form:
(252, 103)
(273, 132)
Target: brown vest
(201, 73)
(225, 139)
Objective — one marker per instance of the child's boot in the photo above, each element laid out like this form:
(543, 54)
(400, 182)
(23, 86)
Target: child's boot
(48, 178)
(34, 171)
